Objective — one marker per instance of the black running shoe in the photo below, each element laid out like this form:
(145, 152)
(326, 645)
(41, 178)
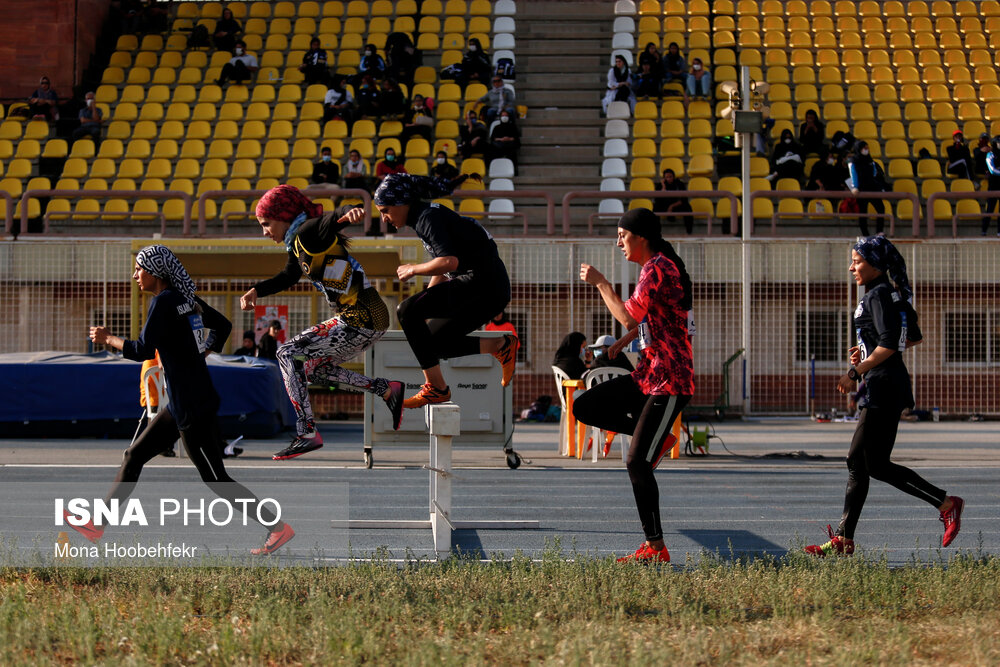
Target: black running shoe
(169, 453)
(395, 402)
(300, 445)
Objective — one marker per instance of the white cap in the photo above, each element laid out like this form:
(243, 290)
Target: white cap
(604, 341)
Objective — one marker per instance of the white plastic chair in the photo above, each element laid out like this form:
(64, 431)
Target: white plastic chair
(501, 184)
(612, 185)
(501, 209)
(561, 375)
(503, 24)
(624, 8)
(621, 24)
(620, 110)
(614, 168)
(616, 148)
(505, 40)
(502, 168)
(504, 8)
(616, 129)
(592, 378)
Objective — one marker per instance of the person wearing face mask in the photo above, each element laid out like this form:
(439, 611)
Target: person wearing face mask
(418, 120)
(812, 133)
(619, 85)
(571, 355)
(91, 118)
(368, 97)
(389, 165)
(505, 139)
(226, 30)
(371, 63)
(338, 103)
(699, 81)
(604, 360)
(867, 176)
(827, 173)
(787, 160)
(959, 158)
(473, 135)
(355, 172)
(442, 168)
(475, 65)
(240, 67)
(313, 65)
(497, 99)
(326, 171)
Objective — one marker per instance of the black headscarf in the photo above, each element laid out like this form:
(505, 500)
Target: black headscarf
(568, 355)
(643, 222)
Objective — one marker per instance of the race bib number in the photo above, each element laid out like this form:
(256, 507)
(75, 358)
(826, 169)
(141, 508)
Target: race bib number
(645, 339)
(861, 345)
(199, 331)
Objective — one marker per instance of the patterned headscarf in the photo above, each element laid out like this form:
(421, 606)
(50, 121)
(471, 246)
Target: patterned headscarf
(403, 189)
(882, 255)
(159, 261)
(286, 203)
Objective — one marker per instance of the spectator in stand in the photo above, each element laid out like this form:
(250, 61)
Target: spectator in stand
(443, 168)
(652, 56)
(828, 172)
(402, 57)
(571, 354)
(619, 85)
(699, 80)
(505, 139)
(338, 103)
(249, 348)
(475, 65)
(674, 66)
(368, 97)
(867, 176)
(227, 30)
(326, 171)
(355, 172)
(601, 358)
(993, 184)
(787, 160)
(979, 154)
(313, 65)
(673, 205)
(91, 118)
(417, 121)
(389, 165)
(473, 135)
(371, 63)
(241, 66)
(959, 159)
(812, 133)
(391, 99)
(43, 102)
(645, 83)
(268, 348)
(497, 99)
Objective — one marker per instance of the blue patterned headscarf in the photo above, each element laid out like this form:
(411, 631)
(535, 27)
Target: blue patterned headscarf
(882, 255)
(158, 260)
(403, 189)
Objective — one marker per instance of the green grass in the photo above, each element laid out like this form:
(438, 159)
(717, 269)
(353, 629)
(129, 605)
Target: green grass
(557, 610)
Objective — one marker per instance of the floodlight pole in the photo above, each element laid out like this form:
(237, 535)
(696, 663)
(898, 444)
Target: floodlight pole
(746, 220)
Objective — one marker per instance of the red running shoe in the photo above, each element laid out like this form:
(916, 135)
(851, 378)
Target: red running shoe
(647, 554)
(838, 545)
(952, 520)
(275, 539)
(302, 444)
(88, 530)
(428, 394)
(507, 356)
(395, 402)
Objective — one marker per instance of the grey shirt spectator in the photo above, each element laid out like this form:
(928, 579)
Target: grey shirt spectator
(497, 99)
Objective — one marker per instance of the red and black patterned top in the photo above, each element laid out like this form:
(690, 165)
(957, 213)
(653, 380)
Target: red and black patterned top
(665, 360)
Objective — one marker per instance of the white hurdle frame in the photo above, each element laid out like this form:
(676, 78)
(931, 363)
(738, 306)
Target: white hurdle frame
(443, 422)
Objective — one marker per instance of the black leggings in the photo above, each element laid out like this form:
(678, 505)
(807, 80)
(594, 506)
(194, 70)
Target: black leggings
(879, 207)
(869, 457)
(438, 320)
(201, 440)
(618, 405)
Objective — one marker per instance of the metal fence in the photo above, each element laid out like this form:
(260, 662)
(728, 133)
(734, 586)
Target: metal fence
(801, 301)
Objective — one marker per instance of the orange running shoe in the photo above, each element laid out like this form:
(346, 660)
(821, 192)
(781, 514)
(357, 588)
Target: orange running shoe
(952, 520)
(88, 530)
(507, 356)
(647, 554)
(428, 394)
(275, 539)
(837, 545)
